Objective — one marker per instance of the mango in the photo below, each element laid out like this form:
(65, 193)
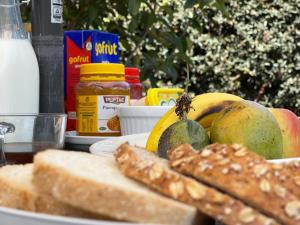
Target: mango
(250, 124)
(183, 131)
(289, 124)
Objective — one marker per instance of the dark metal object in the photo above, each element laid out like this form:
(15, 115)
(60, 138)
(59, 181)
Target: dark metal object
(77, 147)
(5, 128)
(47, 40)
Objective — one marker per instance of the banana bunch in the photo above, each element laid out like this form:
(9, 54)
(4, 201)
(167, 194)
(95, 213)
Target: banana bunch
(206, 108)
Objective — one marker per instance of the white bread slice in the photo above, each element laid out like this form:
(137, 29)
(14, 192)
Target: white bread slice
(94, 183)
(17, 191)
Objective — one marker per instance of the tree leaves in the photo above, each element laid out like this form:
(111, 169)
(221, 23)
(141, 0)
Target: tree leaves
(170, 69)
(134, 6)
(147, 20)
(145, 28)
(220, 4)
(92, 13)
(190, 3)
(234, 54)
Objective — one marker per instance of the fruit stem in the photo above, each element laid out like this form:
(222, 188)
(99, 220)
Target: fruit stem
(187, 80)
(183, 103)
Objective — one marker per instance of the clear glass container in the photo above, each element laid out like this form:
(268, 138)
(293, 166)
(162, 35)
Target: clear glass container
(11, 26)
(23, 135)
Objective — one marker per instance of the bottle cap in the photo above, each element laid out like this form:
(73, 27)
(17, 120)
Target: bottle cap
(132, 75)
(132, 72)
(102, 71)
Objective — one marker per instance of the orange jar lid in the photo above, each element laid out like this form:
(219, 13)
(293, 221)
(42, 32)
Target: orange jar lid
(102, 71)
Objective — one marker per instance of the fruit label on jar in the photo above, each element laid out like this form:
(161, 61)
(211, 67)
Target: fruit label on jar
(98, 114)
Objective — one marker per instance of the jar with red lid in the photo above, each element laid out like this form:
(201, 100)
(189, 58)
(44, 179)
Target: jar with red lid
(132, 76)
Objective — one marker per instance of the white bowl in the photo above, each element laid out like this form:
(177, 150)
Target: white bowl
(139, 119)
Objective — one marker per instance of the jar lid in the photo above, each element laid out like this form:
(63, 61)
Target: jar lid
(132, 72)
(102, 69)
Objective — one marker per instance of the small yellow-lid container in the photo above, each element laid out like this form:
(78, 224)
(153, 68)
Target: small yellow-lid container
(102, 72)
(163, 96)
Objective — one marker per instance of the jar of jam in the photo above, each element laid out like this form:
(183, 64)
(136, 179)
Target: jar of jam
(101, 89)
(132, 76)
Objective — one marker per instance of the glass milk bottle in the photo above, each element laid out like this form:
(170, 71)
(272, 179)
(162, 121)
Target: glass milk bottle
(19, 72)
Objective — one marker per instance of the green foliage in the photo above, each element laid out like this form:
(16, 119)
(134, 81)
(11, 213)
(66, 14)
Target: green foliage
(153, 34)
(255, 53)
(249, 48)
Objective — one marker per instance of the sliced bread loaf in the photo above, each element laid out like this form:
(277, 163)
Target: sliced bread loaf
(17, 191)
(94, 183)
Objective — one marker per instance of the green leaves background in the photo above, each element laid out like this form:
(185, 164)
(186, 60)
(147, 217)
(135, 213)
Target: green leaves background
(248, 47)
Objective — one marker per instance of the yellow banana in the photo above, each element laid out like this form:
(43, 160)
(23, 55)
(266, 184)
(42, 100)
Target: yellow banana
(206, 107)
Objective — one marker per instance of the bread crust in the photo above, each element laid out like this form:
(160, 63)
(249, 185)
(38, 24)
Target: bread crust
(101, 198)
(13, 196)
(147, 168)
(287, 174)
(242, 174)
(16, 191)
(293, 168)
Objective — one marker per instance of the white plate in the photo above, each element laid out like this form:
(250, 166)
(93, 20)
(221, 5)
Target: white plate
(19, 217)
(109, 146)
(284, 160)
(72, 138)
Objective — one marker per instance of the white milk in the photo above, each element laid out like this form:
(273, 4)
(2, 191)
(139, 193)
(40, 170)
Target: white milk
(19, 77)
(19, 86)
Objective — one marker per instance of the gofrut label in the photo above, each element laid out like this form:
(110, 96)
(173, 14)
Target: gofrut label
(84, 46)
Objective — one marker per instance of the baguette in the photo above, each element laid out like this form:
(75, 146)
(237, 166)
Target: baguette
(240, 175)
(94, 183)
(147, 168)
(17, 191)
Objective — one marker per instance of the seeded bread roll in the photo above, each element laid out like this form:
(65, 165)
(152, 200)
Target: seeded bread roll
(240, 175)
(147, 168)
(95, 184)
